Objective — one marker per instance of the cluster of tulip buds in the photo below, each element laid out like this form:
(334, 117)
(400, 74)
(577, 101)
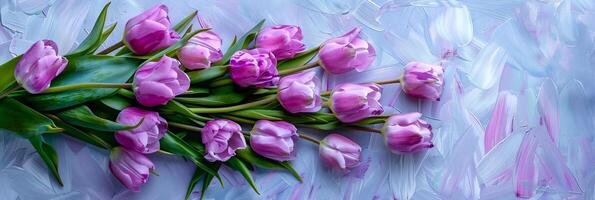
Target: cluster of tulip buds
(297, 90)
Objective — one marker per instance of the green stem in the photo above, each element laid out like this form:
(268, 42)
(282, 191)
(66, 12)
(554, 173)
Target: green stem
(221, 82)
(311, 139)
(368, 129)
(266, 100)
(298, 68)
(10, 90)
(184, 126)
(111, 48)
(87, 85)
(388, 81)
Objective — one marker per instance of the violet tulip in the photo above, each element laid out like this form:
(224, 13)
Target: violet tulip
(339, 152)
(130, 168)
(39, 66)
(222, 138)
(144, 138)
(201, 50)
(300, 92)
(407, 133)
(256, 67)
(156, 83)
(423, 80)
(274, 139)
(353, 102)
(149, 31)
(283, 40)
(346, 53)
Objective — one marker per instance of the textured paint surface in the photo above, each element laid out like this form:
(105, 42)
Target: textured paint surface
(515, 120)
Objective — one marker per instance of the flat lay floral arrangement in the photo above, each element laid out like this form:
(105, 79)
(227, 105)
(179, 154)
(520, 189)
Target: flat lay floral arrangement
(169, 88)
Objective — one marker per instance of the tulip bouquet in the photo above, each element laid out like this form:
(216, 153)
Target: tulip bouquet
(171, 89)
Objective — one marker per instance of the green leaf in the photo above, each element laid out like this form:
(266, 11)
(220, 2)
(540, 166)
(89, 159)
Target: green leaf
(193, 181)
(92, 42)
(106, 33)
(83, 116)
(242, 43)
(241, 167)
(273, 115)
(172, 143)
(299, 59)
(372, 120)
(221, 96)
(171, 50)
(85, 136)
(251, 157)
(197, 91)
(205, 185)
(48, 155)
(302, 118)
(291, 170)
(325, 126)
(207, 74)
(180, 25)
(116, 102)
(86, 69)
(177, 107)
(7, 74)
(24, 121)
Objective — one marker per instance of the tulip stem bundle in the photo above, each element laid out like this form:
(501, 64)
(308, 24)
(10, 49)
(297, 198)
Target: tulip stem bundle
(263, 101)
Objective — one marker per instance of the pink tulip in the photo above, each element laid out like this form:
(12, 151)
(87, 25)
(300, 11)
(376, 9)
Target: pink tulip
(39, 66)
(339, 152)
(156, 83)
(256, 67)
(346, 53)
(300, 92)
(222, 138)
(201, 50)
(283, 40)
(423, 80)
(353, 102)
(149, 31)
(407, 133)
(144, 138)
(274, 140)
(130, 168)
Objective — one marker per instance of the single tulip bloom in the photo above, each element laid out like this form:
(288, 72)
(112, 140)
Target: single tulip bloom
(353, 102)
(256, 67)
(130, 167)
(39, 66)
(300, 92)
(156, 83)
(423, 80)
(346, 53)
(274, 139)
(407, 133)
(144, 138)
(149, 31)
(339, 152)
(222, 138)
(283, 40)
(201, 50)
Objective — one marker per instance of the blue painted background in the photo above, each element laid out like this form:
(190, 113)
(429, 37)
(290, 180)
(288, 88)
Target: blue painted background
(536, 59)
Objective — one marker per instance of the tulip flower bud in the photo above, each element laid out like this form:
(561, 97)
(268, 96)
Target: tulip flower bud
(423, 80)
(407, 133)
(39, 66)
(156, 83)
(130, 168)
(339, 152)
(222, 138)
(283, 40)
(300, 92)
(149, 31)
(274, 140)
(346, 53)
(201, 50)
(256, 67)
(353, 102)
(144, 138)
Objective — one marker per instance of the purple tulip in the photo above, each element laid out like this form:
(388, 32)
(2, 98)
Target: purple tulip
(201, 50)
(340, 152)
(283, 40)
(256, 67)
(222, 138)
(130, 168)
(156, 83)
(423, 80)
(300, 92)
(144, 138)
(407, 133)
(149, 31)
(346, 53)
(274, 140)
(353, 102)
(39, 66)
